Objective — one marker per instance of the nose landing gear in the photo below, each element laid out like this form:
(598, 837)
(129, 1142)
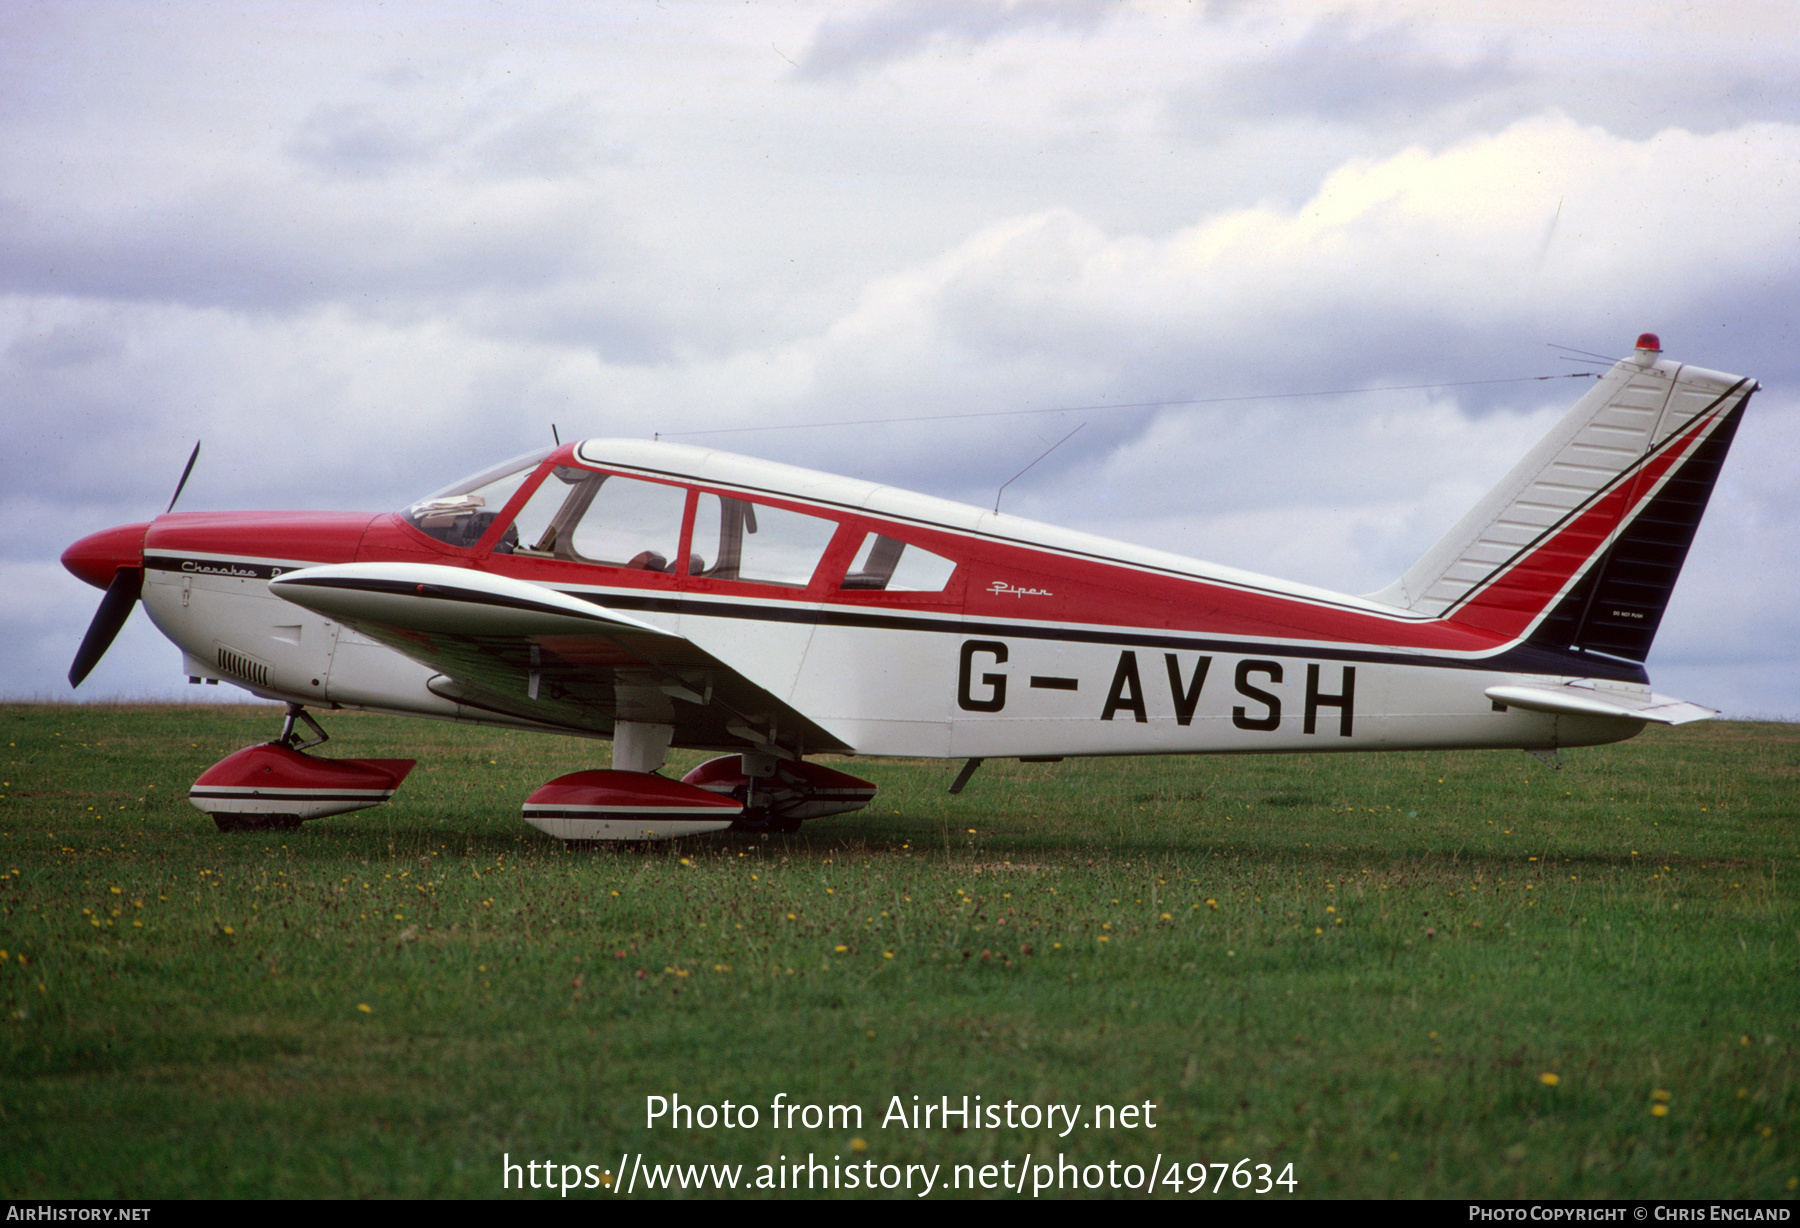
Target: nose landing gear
(273, 786)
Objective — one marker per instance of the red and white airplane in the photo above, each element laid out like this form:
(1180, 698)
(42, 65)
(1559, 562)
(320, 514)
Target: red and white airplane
(664, 595)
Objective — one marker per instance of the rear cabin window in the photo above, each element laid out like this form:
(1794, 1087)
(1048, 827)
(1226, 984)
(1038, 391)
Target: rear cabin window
(886, 564)
(735, 539)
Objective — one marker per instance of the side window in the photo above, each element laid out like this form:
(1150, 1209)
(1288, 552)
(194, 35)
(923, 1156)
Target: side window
(883, 563)
(629, 523)
(589, 517)
(735, 539)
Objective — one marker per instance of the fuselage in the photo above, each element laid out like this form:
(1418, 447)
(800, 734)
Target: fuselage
(992, 636)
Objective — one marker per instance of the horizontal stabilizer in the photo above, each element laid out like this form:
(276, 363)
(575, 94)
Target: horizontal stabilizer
(1583, 699)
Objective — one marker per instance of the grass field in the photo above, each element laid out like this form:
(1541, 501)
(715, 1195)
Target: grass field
(1439, 975)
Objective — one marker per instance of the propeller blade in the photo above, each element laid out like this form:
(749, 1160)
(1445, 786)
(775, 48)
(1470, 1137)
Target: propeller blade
(192, 457)
(115, 608)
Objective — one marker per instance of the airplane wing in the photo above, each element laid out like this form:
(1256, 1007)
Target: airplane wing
(530, 651)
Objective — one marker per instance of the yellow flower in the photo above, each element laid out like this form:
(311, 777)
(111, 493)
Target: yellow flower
(1549, 1080)
(840, 948)
(857, 1144)
(1659, 1110)
(365, 1008)
(1660, 1094)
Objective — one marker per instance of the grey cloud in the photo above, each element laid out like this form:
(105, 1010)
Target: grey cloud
(360, 141)
(276, 247)
(1338, 74)
(385, 136)
(67, 345)
(898, 30)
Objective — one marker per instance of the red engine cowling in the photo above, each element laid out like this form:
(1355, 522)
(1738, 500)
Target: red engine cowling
(798, 790)
(611, 805)
(271, 787)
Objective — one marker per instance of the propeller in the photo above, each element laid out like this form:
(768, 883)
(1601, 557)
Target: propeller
(182, 485)
(115, 608)
(121, 549)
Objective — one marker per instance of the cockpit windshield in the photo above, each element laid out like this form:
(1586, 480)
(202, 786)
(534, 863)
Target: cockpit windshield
(460, 513)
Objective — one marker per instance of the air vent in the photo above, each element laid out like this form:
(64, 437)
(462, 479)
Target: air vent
(235, 663)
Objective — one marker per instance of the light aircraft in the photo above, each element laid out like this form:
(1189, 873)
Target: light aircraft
(665, 595)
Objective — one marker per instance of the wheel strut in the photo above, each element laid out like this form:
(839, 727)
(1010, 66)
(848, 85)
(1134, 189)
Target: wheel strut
(290, 737)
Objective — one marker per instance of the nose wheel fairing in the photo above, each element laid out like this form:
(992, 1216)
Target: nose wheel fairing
(271, 786)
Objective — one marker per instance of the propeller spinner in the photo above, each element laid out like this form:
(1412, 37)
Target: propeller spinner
(112, 559)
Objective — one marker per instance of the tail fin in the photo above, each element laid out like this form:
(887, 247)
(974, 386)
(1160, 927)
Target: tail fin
(1577, 549)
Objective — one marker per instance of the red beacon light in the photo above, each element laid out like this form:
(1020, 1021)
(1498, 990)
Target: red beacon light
(1649, 341)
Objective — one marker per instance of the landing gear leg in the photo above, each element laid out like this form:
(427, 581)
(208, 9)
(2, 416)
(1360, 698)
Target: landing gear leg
(290, 737)
(760, 809)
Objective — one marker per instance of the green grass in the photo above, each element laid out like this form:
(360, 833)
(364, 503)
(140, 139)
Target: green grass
(1402, 948)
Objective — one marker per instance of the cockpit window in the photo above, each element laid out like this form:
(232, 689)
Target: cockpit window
(629, 523)
(588, 517)
(460, 513)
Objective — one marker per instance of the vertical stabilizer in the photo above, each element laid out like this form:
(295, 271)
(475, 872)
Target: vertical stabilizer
(1578, 548)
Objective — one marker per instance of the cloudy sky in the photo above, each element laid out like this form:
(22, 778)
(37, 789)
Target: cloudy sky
(363, 250)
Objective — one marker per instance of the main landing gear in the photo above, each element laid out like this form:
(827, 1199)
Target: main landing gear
(779, 794)
(747, 792)
(274, 786)
(730, 793)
